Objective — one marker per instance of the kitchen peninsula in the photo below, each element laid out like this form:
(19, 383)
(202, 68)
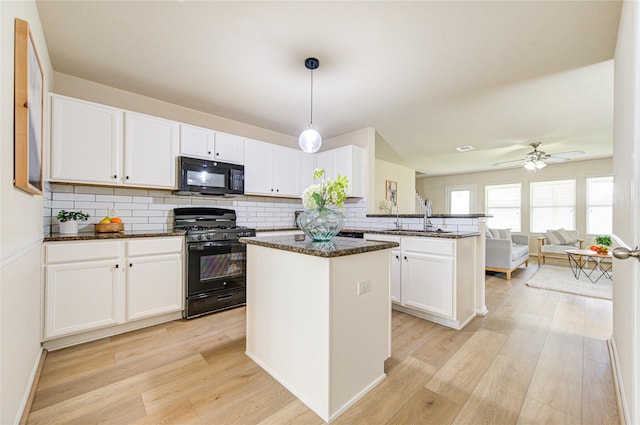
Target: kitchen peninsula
(319, 316)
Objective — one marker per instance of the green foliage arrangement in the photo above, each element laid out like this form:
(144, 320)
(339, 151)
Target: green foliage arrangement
(72, 215)
(326, 192)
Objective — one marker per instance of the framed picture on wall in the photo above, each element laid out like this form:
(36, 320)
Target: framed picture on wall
(392, 192)
(28, 112)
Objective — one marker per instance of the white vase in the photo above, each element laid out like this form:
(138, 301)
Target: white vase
(69, 227)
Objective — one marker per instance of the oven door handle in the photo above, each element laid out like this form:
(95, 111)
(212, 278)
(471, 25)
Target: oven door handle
(223, 247)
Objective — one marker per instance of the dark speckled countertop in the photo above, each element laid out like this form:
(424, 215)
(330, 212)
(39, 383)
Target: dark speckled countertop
(337, 247)
(88, 236)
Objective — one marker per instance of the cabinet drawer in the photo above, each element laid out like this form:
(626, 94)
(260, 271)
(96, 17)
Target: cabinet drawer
(429, 246)
(67, 252)
(152, 246)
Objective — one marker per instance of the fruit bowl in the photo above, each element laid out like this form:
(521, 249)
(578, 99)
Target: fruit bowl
(109, 227)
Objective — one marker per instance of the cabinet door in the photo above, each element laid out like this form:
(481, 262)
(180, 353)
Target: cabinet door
(258, 168)
(427, 283)
(324, 160)
(150, 151)
(307, 166)
(154, 285)
(82, 297)
(348, 161)
(86, 142)
(287, 171)
(196, 142)
(229, 148)
(396, 267)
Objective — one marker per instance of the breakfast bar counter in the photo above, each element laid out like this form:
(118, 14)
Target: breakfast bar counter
(319, 316)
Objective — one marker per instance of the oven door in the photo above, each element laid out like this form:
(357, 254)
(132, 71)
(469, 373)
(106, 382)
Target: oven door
(216, 266)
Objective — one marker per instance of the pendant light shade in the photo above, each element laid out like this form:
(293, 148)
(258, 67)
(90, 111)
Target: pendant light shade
(310, 140)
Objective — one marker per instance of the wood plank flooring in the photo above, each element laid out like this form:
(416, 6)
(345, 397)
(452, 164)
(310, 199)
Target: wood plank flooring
(538, 357)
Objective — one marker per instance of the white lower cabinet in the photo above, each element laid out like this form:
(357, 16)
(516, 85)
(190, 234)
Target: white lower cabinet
(433, 278)
(93, 285)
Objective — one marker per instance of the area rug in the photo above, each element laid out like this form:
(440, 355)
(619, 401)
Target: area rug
(557, 278)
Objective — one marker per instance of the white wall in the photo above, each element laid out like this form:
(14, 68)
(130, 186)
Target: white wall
(20, 233)
(626, 288)
(406, 179)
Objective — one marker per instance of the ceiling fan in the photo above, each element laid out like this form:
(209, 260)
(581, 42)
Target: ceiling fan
(536, 160)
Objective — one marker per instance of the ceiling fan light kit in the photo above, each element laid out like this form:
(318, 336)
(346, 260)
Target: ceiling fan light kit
(310, 140)
(537, 160)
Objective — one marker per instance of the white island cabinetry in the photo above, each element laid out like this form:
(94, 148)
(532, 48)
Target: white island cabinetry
(434, 278)
(97, 288)
(319, 324)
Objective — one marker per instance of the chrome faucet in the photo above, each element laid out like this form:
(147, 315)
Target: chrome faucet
(397, 219)
(427, 213)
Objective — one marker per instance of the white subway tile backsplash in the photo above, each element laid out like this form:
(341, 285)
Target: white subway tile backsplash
(113, 198)
(96, 190)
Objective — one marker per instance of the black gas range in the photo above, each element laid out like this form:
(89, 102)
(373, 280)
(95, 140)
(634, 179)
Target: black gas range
(216, 261)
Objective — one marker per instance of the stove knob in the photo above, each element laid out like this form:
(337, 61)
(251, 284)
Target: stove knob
(199, 237)
(224, 236)
(208, 236)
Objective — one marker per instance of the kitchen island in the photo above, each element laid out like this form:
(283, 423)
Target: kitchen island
(319, 316)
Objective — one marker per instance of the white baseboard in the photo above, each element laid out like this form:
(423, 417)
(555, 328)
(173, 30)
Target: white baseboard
(618, 385)
(25, 397)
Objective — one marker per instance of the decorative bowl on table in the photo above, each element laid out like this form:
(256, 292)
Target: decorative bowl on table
(109, 227)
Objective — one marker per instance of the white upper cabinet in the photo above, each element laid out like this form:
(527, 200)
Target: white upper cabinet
(271, 169)
(196, 142)
(86, 142)
(151, 146)
(229, 148)
(347, 161)
(97, 144)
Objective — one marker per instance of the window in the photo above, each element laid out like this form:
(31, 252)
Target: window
(553, 205)
(461, 199)
(599, 205)
(502, 201)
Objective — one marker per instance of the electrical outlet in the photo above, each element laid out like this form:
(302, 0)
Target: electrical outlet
(364, 287)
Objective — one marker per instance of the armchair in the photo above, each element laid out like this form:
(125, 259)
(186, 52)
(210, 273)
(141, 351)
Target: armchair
(554, 243)
(507, 255)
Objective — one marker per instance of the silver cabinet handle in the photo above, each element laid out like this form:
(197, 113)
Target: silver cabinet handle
(622, 253)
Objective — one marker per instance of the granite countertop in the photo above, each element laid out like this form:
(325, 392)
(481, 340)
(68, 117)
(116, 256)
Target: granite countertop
(337, 247)
(478, 215)
(423, 234)
(88, 236)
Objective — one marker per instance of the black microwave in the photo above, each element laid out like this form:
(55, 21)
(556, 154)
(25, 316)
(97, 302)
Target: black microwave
(210, 177)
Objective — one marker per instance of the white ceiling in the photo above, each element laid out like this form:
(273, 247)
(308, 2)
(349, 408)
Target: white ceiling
(428, 76)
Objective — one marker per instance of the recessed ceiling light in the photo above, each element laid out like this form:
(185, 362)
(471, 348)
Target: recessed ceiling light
(464, 148)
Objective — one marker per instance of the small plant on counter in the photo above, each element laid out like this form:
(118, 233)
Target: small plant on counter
(325, 193)
(65, 216)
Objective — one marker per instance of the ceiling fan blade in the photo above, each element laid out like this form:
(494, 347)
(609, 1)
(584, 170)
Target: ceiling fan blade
(578, 152)
(552, 159)
(497, 164)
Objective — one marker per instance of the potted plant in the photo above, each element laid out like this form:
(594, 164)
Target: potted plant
(603, 240)
(69, 220)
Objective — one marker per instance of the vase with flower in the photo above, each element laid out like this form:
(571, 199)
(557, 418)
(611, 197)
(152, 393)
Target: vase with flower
(319, 221)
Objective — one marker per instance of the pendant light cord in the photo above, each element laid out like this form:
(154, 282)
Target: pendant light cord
(311, 118)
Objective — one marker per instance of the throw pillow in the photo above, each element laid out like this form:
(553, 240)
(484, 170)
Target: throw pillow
(501, 233)
(487, 233)
(559, 237)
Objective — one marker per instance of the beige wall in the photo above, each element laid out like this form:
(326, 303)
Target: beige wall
(406, 179)
(88, 90)
(20, 233)
(434, 188)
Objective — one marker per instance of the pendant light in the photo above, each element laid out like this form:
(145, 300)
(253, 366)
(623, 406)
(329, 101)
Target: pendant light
(310, 140)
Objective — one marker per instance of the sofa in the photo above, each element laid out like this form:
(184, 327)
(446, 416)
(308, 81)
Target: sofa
(555, 243)
(506, 255)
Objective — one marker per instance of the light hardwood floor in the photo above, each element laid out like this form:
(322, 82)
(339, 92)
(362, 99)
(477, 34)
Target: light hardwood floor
(538, 357)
